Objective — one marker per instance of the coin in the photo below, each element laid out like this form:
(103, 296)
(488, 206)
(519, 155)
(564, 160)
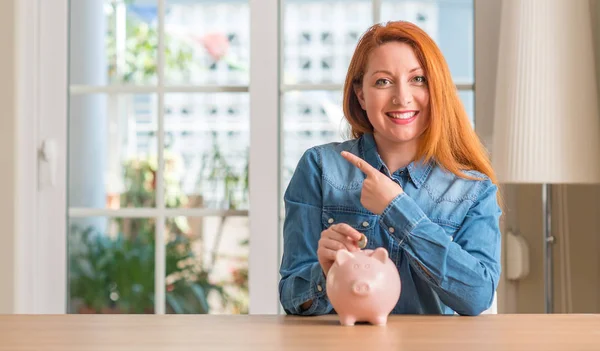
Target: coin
(362, 243)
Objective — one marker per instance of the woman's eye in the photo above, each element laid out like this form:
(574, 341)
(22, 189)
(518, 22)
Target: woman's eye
(382, 82)
(419, 79)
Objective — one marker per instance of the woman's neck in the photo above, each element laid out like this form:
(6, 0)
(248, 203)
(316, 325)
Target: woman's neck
(395, 155)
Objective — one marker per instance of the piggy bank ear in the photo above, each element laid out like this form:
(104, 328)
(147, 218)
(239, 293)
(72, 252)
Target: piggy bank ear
(342, 256)
(380, 254)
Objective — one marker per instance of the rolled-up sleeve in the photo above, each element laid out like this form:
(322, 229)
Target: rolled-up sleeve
(463, 270)
(302, 278)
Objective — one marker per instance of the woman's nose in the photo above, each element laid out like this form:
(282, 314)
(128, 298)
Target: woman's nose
(403, 97)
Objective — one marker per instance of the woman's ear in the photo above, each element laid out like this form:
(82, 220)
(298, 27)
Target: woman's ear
(360, 95)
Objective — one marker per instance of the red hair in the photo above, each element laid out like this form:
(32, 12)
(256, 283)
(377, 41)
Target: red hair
(449, 139)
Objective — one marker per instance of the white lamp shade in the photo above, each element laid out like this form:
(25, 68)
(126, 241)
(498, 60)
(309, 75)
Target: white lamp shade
(546, 123)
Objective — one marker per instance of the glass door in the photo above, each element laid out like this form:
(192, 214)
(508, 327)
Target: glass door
(159, 149)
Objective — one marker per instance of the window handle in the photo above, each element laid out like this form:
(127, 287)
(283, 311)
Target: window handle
(47, 162)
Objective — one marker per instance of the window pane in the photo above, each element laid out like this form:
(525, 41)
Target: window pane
(111, 265)
(207, 42)
(309, 118)
(320, 36)
(207, 265)
(206, 157)
(112, 151)
(448, 22)
(113, 42)
(468, 99)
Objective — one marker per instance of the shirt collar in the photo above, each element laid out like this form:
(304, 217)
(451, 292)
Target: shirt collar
(417, 170)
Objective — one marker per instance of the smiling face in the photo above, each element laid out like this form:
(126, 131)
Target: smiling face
(394, 94)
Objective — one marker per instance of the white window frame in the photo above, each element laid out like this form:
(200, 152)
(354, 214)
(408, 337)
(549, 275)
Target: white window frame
(41, 219)
(41, 265)
(42, 257)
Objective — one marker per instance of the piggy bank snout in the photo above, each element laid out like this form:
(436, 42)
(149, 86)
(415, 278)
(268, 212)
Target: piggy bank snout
(361, 288)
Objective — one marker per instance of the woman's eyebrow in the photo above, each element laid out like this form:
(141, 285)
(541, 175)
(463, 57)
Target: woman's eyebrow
(390, 73)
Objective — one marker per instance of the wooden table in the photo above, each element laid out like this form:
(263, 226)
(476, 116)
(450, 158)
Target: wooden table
(212, 332)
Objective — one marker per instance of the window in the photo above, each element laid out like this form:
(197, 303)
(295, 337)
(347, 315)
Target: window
(158, 156)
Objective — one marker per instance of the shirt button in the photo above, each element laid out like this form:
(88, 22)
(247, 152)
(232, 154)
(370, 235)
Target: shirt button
(391, 229)
(365, 224)
(451, 238)
(319, 287)
(330, 220)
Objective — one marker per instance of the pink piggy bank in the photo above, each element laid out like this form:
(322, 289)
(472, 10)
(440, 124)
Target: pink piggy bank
(363, 286)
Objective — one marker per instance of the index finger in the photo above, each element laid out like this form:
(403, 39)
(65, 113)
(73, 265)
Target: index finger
(361, 164)
(346, 230)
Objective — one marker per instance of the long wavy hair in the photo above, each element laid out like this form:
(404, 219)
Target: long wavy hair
(449, 138)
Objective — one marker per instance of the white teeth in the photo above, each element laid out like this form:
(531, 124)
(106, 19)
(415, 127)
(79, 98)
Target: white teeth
(405, 115)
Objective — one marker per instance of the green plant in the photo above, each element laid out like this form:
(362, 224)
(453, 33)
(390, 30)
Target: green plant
(115, 273)
(139, 61)
(235, 183)
(111, 273)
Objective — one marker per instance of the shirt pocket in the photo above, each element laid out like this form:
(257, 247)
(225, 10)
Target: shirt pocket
(362, 222)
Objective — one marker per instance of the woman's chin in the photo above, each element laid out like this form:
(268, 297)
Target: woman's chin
(403, 136)
(399, 135)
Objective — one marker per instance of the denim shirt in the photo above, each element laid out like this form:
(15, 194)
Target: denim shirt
(442, 232)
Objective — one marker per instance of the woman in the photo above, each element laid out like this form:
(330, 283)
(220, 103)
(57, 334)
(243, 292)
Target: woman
(415, 180)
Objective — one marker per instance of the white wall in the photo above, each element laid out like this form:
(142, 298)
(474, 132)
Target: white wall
(8, 144)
